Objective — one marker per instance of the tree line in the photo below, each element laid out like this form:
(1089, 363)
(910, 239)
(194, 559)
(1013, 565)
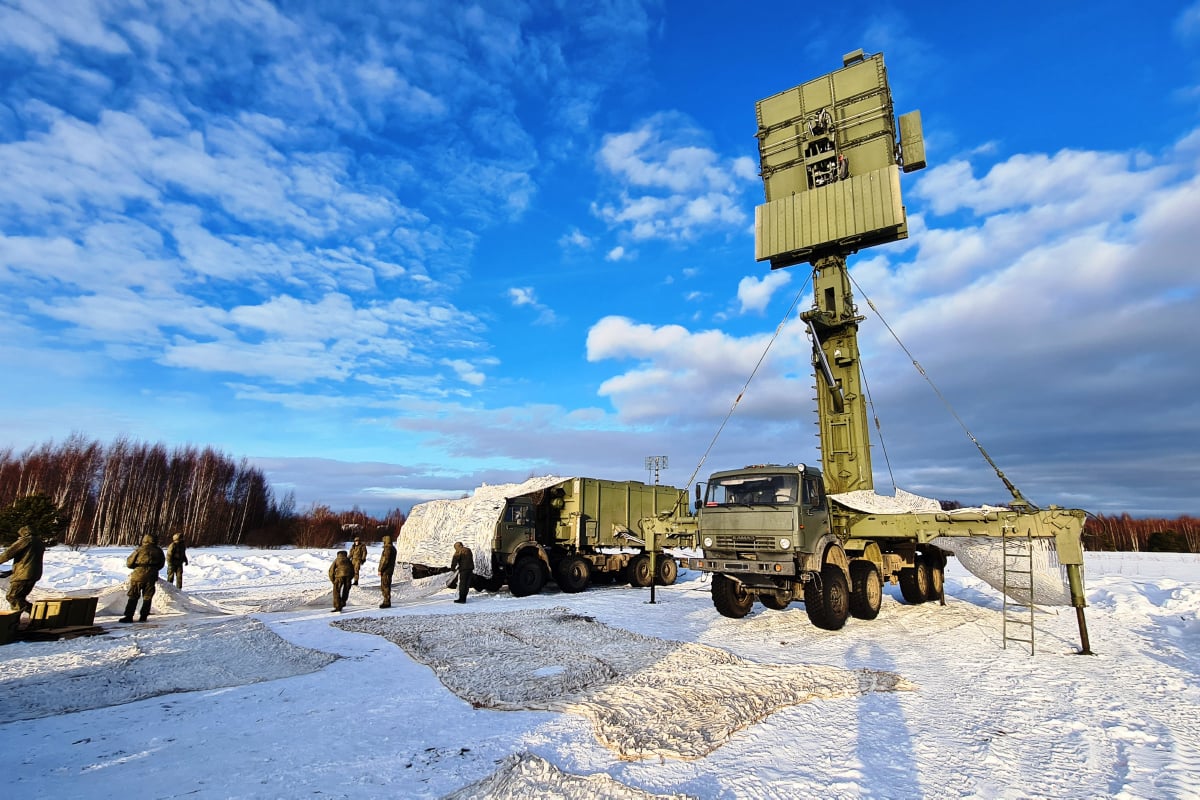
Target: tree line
(114, 494)
(1126, 534)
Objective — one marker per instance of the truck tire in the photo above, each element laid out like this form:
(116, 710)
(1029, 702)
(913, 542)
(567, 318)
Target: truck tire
(866, 590)
(528, 577)
(637, 571)
(667, 569)
(827, 598)
(573, 574)
(730, 597)
(937, 574)
(915, 581)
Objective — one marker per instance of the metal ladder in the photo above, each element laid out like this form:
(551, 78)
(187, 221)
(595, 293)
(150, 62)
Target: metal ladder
(1018, 580)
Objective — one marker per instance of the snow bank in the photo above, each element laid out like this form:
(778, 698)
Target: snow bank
(644, 696)
(40, 679)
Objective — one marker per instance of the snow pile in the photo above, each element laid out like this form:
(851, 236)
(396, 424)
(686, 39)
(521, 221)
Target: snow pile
(644, 696)
(522, 776)
(428, 535)
(46, 678)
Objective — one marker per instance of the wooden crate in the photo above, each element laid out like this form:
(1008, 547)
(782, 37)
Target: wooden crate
(62, 612)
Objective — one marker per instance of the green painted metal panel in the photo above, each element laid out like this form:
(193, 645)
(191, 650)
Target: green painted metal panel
(846, 215)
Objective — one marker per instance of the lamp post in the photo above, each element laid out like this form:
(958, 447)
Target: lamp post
(653, 465)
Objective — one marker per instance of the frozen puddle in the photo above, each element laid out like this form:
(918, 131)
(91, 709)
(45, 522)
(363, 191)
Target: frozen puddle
(82, 674)
(644, 696)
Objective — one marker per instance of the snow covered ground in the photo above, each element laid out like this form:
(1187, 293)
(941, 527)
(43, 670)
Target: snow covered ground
(245, 685)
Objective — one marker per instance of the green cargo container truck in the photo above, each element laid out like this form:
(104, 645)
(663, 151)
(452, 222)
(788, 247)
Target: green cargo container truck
(574, 531)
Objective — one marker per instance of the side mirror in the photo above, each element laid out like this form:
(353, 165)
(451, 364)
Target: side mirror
(699, 495)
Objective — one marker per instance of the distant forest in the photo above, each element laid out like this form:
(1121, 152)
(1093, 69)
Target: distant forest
(96, 494)
(1126, 534)
(114, 494)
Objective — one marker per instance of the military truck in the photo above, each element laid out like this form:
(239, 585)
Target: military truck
(574, 531)
(830, 161)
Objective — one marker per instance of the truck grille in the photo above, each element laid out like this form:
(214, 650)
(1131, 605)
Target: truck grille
(731, 541)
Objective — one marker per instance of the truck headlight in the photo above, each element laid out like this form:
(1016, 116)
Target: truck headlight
(784, 544)
(708, 542)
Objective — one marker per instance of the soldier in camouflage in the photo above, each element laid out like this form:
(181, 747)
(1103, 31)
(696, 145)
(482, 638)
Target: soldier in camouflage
(464, 562)
(387, 564)
(358, 554)
(176, 558)
(26, 554)
(341, 573)
(145, 562)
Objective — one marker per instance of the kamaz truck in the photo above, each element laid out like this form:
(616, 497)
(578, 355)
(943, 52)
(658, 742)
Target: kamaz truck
(574, 531)
(830, 160)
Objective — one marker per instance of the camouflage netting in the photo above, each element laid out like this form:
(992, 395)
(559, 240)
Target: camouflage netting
(429, 533)
(524, 775)
(47, 678)
(982, 556)
(645, 697)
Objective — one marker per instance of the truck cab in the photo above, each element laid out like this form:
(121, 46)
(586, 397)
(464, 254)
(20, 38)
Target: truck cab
(755, 520)
(766, 535)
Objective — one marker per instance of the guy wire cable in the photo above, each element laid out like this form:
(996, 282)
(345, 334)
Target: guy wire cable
(746, 385)
(1016, 493)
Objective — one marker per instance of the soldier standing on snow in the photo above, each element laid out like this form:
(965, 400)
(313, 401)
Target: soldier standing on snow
(145, 562)
(176, 558)
(26, 554)
(358, 554)
(341, 573)
(464, 562)
(387, 564)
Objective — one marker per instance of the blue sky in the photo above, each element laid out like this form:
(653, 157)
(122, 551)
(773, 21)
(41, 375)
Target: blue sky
(390, 251)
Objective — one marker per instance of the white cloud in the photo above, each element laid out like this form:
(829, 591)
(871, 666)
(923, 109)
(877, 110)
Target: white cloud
(574, 238)
(526, 297)
(754, 293)
(1187, 24)
(615, 254)
(672, 187)
(466, 371)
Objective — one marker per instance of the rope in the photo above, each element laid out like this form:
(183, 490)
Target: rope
(746, 385)
(878, 427)
(1016, 493)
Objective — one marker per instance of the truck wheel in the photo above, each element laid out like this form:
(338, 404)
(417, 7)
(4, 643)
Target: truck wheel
(866, 590)
(730, 597)
(528, 577)
(915, 581)
(667, 570)
(573, 574)
(827, 598)
(937, 575)
(638, 571)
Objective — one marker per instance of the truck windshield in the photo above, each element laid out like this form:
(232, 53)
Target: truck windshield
(752, 490)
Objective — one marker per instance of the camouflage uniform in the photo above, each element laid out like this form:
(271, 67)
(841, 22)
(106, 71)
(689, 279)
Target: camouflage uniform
(145, 562)
(26, 554)
(387, 564)
(341, 573)
(464, 562)
(358, 554)
(176, 558)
